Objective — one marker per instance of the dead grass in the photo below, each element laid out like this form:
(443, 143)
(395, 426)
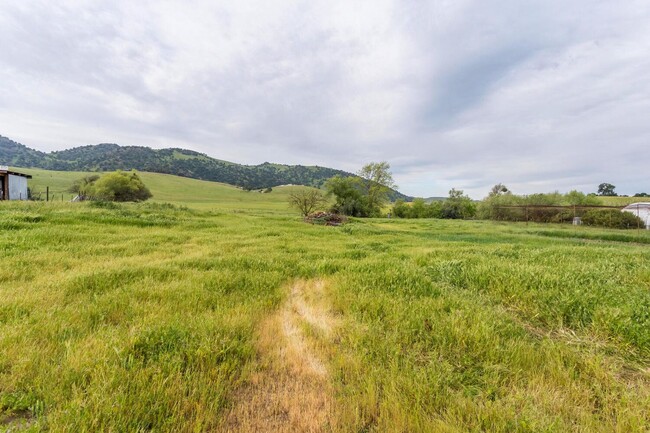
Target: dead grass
(290, 389)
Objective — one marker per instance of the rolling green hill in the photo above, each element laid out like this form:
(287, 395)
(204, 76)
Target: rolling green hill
(167, 188)
(179, 162)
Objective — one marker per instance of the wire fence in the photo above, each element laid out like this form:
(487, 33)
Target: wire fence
(565, 213)
(49, 194)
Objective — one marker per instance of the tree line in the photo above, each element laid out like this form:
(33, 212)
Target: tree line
(366, 195)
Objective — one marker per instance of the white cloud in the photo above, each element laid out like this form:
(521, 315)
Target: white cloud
(539, 95)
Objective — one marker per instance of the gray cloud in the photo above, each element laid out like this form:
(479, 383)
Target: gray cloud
(539, 95)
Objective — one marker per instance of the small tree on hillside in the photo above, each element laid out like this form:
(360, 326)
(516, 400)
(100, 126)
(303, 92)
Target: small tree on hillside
(121, 186)
(306, 200)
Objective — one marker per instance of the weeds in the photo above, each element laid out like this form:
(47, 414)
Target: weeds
(147, 317)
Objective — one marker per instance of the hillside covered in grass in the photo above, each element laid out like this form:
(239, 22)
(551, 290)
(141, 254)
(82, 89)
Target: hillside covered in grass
(183, 191)
(179, 162)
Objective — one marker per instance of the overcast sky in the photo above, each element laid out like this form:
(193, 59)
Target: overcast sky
(539, 95)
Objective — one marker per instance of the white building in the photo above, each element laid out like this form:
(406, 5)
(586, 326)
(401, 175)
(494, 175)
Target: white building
(13, 185)
(642, 210)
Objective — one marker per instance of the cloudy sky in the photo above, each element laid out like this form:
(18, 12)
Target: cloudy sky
(540, 95)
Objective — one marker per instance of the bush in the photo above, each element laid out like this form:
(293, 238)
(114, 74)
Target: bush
(306, 200)
(418, 209)
(350, 198)
(400, 209)
(612, 218)
(121, 186)
(562, 216)
(510, 207)
(84, 187)
(458, 206)
(364, 195)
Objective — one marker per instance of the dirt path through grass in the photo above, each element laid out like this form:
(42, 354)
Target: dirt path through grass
(290, 391)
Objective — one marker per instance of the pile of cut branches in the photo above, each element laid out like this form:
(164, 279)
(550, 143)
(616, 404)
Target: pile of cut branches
(326, 219)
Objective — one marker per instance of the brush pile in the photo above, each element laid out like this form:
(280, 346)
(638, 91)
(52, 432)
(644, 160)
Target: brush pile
(326, 219)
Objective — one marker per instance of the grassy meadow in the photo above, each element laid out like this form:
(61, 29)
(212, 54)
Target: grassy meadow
(146, 317)
(166, 188)
(622, 201)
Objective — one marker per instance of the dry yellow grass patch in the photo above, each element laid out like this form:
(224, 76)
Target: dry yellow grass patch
(290, 391)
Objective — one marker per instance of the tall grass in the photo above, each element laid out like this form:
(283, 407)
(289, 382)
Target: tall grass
(143, 318)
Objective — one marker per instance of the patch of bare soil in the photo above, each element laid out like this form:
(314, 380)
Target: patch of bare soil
(290, 392)
(15, 422)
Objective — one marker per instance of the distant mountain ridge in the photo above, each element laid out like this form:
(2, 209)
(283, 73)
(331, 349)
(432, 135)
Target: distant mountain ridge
(179, 162)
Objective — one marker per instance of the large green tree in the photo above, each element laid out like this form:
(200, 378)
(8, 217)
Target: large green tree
(377, 181)
(364, 195)
(607, 189)
(349, 197)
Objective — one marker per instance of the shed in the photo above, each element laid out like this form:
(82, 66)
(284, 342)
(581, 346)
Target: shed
(13, 185)
(642, 210)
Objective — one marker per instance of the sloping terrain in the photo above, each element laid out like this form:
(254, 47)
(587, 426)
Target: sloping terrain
(195, 193)
(179, 162)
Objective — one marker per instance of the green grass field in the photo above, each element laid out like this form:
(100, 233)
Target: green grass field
(165, 188)
(146, 317)
(622, 201)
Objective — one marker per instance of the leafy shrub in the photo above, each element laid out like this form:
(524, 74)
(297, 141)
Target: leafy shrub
(350, 199)
(84, 187)
(457, 206)
(562, 216)
(418, 209)
(121, 186)
(535, 207)
(364, 195)
(612, 218)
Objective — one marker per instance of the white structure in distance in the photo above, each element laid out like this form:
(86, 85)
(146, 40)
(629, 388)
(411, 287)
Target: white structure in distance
(642, 210)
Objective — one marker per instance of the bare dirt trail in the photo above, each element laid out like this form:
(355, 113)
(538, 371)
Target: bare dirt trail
(291, 391)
